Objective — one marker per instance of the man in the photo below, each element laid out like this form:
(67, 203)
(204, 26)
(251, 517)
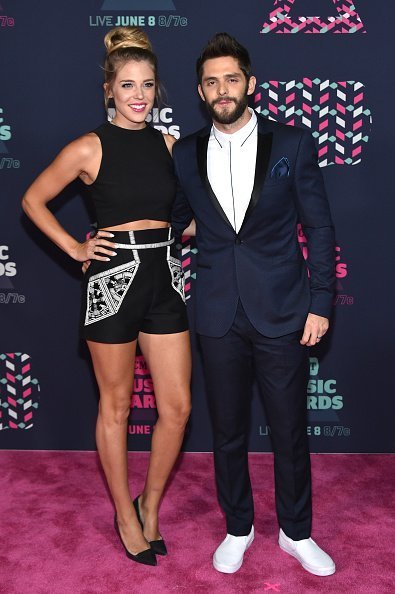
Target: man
(247, 182)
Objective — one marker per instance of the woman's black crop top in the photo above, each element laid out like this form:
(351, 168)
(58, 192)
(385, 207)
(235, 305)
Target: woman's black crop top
(136, 177)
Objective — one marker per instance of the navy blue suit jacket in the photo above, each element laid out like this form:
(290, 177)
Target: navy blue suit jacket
(262, 264)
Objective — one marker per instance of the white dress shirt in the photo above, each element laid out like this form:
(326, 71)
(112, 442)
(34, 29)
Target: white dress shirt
(231, 168)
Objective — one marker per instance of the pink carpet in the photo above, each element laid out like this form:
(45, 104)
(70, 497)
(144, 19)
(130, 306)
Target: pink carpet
(57, 535)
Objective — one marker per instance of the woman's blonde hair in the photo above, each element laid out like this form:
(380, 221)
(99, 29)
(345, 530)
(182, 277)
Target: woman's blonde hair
(124, 44)
(123, 37)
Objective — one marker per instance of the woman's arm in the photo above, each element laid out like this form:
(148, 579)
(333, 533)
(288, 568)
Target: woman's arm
(80, 158)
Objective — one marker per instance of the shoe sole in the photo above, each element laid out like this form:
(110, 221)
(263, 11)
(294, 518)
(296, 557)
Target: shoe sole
(315, 571)
(232, 568)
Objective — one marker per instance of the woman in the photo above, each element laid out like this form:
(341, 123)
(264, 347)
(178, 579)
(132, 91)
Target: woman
(134, 285)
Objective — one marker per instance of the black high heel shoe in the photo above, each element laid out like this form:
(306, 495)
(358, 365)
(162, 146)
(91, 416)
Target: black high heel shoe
(158, 546)
(146, 557)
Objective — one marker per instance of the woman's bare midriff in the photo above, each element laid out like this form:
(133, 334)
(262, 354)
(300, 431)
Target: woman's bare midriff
(138, 226)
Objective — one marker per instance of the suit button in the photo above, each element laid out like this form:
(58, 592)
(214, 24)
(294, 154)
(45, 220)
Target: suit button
(238, 241)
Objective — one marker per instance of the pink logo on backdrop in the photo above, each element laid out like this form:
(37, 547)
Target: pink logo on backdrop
(143, 413)
(336, 113)
(19, 392)
(5, 19)
(346, 20)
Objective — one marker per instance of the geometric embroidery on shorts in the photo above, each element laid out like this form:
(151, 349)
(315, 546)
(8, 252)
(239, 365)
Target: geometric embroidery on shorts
(177, 276)
(107, 290)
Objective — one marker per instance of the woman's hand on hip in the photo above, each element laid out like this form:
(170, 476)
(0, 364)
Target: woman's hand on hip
(95, 248)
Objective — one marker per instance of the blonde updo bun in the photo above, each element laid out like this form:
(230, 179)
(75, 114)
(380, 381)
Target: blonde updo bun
(124, 44)
(125, 37)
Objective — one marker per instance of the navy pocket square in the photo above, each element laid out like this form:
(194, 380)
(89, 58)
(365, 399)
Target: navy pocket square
(280, 169)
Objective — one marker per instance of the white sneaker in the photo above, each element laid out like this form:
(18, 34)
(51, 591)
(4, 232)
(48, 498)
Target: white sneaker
(228, 558)
(312, 558)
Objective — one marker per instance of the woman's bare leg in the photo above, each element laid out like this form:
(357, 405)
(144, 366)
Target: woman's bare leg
(169, 361)
(114, 369)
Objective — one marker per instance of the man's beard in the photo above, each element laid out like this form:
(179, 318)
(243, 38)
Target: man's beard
(228, 116)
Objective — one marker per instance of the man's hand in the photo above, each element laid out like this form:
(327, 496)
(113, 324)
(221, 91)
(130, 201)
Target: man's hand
(314, 329)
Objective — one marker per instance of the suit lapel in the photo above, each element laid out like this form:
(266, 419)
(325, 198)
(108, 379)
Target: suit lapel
(202, 144)
(263, 151)
(264, 147)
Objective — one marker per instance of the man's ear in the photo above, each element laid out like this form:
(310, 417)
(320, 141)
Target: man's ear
(202, 97)
(251, 85)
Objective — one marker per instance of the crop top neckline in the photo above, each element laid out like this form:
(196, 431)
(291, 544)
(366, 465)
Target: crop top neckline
(126, 130)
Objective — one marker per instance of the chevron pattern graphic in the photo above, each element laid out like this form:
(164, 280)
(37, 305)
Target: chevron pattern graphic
(335, 112)
(346, 21)
(19, 392)
(188, 257)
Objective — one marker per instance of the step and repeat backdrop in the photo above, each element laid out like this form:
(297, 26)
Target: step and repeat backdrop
(320, 64)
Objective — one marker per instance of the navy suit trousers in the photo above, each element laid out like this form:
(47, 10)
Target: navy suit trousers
(280, 367)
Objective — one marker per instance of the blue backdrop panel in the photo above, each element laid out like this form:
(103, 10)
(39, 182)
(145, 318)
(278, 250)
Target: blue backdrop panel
(324, 65)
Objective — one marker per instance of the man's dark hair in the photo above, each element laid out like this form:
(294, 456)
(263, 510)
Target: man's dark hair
(222, 45)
